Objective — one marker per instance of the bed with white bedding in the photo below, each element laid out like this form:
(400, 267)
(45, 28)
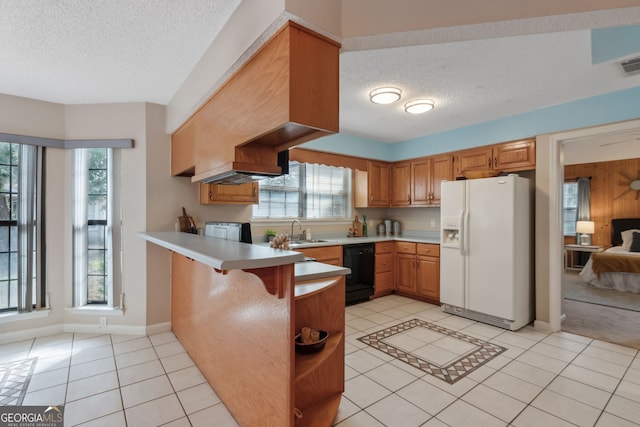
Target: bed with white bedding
(618, 267)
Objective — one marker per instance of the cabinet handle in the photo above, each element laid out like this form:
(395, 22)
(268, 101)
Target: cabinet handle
(254, 190)
(210, 195)
(371, 197)
(409, 198)
(495, 162)
(489, 164)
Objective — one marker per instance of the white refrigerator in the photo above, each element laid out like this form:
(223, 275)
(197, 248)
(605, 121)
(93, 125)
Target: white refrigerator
(486, 263)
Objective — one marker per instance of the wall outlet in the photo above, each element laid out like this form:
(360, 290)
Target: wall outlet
(103, 322)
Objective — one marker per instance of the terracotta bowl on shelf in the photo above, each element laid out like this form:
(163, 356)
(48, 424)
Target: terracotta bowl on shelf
(483, 173)
(311, 347)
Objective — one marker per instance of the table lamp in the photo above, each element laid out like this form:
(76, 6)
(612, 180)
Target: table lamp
(585, 229)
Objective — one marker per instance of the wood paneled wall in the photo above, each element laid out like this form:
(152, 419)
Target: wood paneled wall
(610, 194)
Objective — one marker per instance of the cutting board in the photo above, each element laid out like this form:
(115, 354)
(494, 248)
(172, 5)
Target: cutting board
(187, 224)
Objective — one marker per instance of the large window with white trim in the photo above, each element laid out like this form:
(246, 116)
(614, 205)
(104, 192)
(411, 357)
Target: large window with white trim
(96, 228)
(308, 191)
(21, 225)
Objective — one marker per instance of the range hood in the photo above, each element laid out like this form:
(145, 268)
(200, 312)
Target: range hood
(236, 177)
(285, 94)
(236, 173)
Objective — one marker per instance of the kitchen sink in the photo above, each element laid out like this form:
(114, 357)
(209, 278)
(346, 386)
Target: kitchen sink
(305, 242)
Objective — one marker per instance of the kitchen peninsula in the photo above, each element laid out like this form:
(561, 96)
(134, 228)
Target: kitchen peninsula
(236, 309)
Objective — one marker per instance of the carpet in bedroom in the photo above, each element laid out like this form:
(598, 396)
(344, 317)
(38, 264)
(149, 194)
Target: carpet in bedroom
(575, 289)
(603, 323)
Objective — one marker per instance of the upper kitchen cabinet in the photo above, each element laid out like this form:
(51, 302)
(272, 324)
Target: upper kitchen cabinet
(506, 157)
(182, 154)
(400, 194)
(515, 156)
(283, 95)
(417, 183)
(441, 170)
(371, 187)
(242, 194)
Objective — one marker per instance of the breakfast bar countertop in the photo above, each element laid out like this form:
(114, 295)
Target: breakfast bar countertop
(221, 254)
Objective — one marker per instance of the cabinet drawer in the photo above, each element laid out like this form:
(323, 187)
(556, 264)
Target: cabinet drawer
(428, 249)
(384, 282)
(327, 254)
(384, 247)
(384, 262)
(406, 247)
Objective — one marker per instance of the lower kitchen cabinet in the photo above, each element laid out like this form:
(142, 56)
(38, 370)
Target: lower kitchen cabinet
(326, 254)
(417, 270)
(384, 269)
(428, 271)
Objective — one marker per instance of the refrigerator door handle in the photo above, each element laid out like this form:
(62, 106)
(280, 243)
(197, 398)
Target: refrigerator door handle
(465, 234)
(461, 233)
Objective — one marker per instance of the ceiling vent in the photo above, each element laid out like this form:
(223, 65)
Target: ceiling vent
(631, 66)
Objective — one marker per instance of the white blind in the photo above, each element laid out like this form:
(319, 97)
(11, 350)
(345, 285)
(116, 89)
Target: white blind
(308, 191)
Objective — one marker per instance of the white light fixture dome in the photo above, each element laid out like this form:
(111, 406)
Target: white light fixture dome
(419, 106)
(385, 95)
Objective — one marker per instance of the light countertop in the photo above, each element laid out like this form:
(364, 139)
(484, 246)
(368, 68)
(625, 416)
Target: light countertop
(332, 240)
(229, 255)
(311, 270)
(222, 254)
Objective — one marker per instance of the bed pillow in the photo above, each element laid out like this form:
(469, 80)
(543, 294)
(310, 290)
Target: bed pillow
(627, 238)
(635, 243)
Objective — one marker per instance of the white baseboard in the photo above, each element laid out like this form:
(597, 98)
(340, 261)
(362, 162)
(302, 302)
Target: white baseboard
(32, 333)
(542, 326)
(545, 326)
(28, 334)
(158, 328)
(109, 329)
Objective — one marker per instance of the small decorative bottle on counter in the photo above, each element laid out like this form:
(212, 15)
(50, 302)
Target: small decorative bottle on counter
(364, 226)
(357, 227)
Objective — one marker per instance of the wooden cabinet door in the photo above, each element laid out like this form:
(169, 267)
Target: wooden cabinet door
(441, 170)
(183, 150)
(243, 194)
(428, 277)
(378, 184)
(405, 272)
(400, 194)
(515, 156)
(475, 159)
(420, 181)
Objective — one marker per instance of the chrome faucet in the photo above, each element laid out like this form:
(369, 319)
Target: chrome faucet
(299, 229)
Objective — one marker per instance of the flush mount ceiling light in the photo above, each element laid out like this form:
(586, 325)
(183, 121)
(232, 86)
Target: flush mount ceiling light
(385, 95)
(419, 106)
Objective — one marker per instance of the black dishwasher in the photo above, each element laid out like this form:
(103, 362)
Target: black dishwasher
(360, 258)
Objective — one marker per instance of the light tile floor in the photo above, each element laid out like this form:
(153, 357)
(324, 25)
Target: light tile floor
(540, 380)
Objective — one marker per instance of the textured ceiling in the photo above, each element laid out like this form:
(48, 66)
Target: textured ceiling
(471, 82)
(99, 51)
